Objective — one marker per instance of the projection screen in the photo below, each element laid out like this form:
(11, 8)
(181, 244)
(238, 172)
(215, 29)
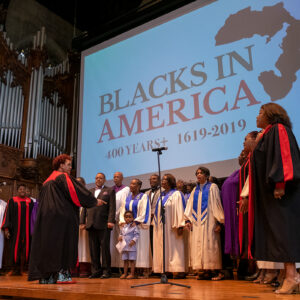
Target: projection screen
(192, 81)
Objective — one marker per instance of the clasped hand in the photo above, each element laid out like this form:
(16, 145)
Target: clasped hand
(278, 193)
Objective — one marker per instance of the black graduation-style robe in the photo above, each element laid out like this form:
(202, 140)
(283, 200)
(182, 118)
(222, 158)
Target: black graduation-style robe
(17, 221)
(55, 238)
(275, 162)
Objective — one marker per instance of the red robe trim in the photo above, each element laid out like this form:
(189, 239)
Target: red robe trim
(53, 176)
(72, 190)
(18, 200)
(250, 213)
(73, 193)
(285, 149)
(19, 225)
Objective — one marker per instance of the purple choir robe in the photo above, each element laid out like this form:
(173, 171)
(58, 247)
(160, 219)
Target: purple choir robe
(229, 195)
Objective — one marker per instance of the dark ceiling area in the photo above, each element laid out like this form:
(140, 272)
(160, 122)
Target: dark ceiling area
(104, 19)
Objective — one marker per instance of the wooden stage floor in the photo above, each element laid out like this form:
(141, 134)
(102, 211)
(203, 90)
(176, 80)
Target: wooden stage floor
(109, 289)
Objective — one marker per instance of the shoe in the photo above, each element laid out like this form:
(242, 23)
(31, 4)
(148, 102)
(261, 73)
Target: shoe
(220, 276)
(65, 278)
(289, 286)
(275, 284)
(105, 276)
(95, 275)
(260, 278)
(206, 275)
(270, 277)
(43, 281)
(123, 276)
(252, 277)
(52, 280)
(13, 273)
(130, 277)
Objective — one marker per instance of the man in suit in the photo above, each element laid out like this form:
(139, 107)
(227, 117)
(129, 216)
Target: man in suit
(99, 221)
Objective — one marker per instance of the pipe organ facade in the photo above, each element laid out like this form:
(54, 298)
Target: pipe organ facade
(37, 112)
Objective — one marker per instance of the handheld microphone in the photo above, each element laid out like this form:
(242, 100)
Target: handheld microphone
(159, 149)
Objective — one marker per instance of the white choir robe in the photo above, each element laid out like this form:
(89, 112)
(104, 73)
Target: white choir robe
(175, 256)
(2, 211)
(116, 258)
(205, 242)
(272, 265)
(83, 245)
(144, 257)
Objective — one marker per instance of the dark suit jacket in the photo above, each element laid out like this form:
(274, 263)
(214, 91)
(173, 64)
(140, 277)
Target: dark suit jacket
(97, 217)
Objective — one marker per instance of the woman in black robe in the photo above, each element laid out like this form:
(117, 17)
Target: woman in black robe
(275, 198)
(54, 249)
(16, 226)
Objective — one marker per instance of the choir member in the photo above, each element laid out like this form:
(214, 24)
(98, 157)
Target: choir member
(204, 214)
(275, 193)
(54, 248)
(122, 191)
(16, 226)
(139, 204)
(174, 205)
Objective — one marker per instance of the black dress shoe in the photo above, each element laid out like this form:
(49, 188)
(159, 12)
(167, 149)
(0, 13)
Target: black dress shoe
(105, 276)
(252, 277)
(95, 275)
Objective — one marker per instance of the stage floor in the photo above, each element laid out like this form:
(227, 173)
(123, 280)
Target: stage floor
(114, 288)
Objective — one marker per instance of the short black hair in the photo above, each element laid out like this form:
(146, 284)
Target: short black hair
(171, 180)
(21, 184)
(204, 170)
(81, 180)
(101, 174)
(128, 212)
(139, 182)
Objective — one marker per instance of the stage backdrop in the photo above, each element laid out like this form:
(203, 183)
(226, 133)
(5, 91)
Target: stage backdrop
(192, 81)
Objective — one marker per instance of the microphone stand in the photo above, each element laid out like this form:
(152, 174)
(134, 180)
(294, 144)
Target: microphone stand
(163, 277)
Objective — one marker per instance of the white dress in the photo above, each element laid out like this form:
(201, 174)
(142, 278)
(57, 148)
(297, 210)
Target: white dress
(205, 242)
(143, 216)
(175, 256)
(116, 259)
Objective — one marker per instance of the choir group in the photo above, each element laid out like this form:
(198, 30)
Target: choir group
(256, 212)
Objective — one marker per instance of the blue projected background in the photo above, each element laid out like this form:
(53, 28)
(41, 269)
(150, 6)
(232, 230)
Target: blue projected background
(193, 84)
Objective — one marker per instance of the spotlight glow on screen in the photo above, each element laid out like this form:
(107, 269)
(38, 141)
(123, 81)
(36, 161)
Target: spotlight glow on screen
(192, 81)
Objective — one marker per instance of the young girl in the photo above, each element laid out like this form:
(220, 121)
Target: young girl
(130, 233)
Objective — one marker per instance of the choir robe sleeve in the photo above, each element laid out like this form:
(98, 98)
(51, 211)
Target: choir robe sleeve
(8, 216)
(215, 202)
(177, 210)
(189, 207)
(122, 212)
(3, 205)
(122, 195)
(79, 194)
(143, 212)
(282, 155)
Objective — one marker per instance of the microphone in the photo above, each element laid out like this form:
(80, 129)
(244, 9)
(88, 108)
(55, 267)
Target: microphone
(159, 149)
(3, 183)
